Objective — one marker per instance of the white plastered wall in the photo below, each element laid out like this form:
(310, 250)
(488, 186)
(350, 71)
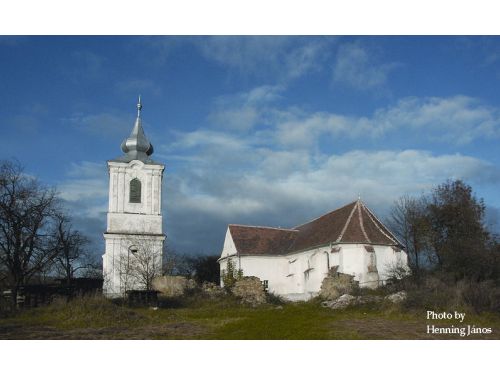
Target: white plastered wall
(131, 222)
(299, 276)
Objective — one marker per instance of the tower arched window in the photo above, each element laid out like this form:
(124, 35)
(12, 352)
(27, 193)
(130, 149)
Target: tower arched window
(135, 191)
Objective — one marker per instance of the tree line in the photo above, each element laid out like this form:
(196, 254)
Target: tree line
(444, 231)
(201, 268)
(36, 233)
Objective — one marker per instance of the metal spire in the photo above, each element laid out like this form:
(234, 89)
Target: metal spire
(137, 146)
(139, 106)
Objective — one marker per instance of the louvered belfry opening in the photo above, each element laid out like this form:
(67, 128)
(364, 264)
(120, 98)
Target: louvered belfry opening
(135, 191)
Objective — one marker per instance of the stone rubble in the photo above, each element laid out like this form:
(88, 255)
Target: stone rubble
(250, 290)
(397, 297)
(337, 284)
(212, 290)
(347, 300)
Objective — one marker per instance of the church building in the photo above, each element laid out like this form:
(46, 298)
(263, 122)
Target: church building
(292, 263)
(134, 235)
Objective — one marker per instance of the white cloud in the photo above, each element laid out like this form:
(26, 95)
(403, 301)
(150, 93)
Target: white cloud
(246, 53)
(306, 129)
(235, 118)
(199, 138)
(244, 110)
(457, 119)
(454, 120)
(355, 66)
(277, 187)
(86, 188)
(306, 58)
(283, 58)
(277, 173)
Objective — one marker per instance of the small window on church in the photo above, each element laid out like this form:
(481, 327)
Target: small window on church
(135, 191)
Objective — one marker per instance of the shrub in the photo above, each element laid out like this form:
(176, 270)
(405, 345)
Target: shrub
(275, 299)
(440, 291)
(230, 275)
(480, 296)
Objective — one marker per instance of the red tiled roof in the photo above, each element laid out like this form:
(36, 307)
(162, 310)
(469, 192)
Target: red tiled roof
(353, 223)
(262, 240)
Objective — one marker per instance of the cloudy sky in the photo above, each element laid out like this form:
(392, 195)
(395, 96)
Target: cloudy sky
(254, 130)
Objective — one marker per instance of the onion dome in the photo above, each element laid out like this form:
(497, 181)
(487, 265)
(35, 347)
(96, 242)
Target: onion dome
(137, 146)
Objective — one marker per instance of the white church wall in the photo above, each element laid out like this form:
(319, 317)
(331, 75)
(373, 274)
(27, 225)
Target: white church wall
(126, 223)
(312, 269)
(150, 176)
(129, 222)
(352, 260)
(299, 276)
(118, 261)
(272, 269)
(229, 248)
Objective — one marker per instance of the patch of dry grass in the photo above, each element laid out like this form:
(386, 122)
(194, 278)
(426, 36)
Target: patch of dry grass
(224, 318)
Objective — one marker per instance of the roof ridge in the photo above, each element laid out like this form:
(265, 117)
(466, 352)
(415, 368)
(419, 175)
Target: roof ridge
(372, 216)
(347, 222)
(328, 213)
(263, 227)
(360, 217)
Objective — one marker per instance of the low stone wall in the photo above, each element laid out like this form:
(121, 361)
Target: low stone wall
(173, 286)
(212, 290)
(250, 290)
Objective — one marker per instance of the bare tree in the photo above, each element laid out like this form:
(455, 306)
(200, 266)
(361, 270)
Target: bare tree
(27, 211)
(92, 265)
(409, 221)
(177, 264)
(140, 264)
(71, 248)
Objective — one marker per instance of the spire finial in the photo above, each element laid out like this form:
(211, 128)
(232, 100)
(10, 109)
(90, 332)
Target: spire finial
(139, 107)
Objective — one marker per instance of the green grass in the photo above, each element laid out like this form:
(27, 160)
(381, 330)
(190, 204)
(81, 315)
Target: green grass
(225, 318)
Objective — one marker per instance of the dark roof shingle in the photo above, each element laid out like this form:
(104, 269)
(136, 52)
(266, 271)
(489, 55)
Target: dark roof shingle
(353, 223)
(262, 240)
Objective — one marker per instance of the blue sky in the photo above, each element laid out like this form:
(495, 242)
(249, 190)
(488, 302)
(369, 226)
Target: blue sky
(254, 130)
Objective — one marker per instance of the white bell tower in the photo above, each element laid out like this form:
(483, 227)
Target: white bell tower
(134, 236)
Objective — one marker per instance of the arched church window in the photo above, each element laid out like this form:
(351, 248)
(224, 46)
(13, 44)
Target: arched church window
(135, 191)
